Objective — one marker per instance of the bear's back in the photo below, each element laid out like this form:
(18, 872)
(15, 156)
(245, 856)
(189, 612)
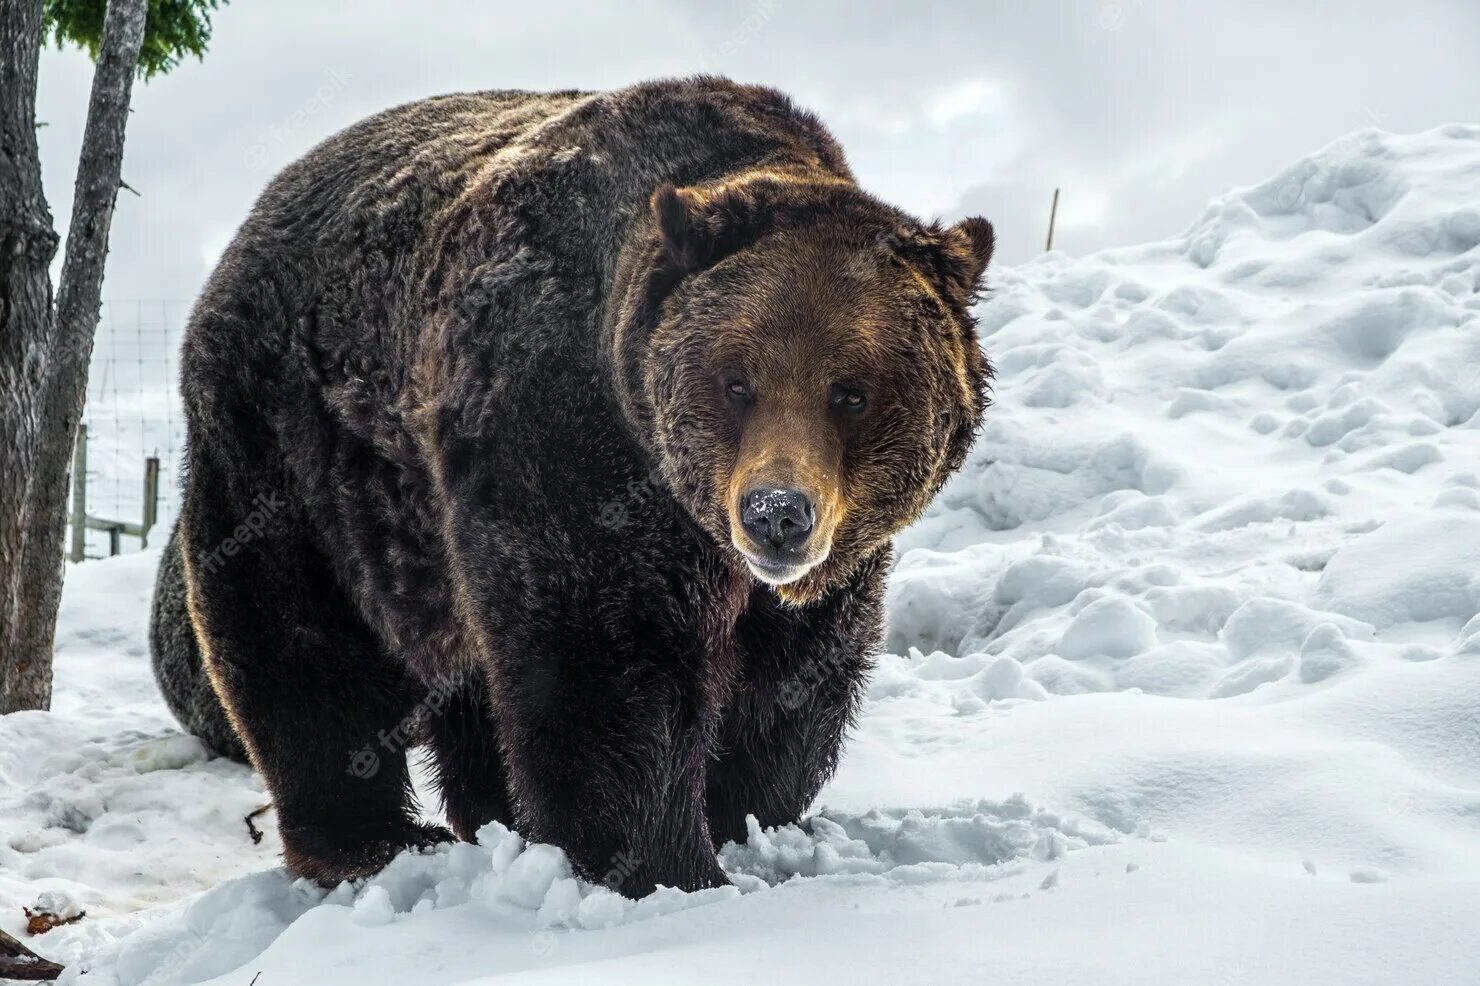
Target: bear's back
(348, 247)
(430, 148)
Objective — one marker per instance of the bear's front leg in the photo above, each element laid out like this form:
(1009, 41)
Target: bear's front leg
(605, 734)
(801, 678)
(461, 733)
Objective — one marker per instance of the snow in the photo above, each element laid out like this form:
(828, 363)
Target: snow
(1182, 682)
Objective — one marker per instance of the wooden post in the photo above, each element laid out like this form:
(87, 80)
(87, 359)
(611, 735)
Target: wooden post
(1053, 213)
(151, 499)
(115, 545)
(79, 496)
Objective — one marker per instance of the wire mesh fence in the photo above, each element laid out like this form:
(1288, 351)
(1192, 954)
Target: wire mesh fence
(132, 415)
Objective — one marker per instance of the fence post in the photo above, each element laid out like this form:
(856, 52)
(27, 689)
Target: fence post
(151, 499)
(1053, 213)
(79, 495)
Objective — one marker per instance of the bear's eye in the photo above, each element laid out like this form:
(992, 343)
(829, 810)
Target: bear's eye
(848, 399)
(737, 389)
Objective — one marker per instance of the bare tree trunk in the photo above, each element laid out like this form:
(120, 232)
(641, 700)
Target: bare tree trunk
(48, 405)
(27, 244)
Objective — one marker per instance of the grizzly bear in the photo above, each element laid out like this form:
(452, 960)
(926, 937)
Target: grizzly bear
(586, 421)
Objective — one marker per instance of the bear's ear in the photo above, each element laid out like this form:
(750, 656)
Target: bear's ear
(973, 241)
(954, 259)
(700, 228)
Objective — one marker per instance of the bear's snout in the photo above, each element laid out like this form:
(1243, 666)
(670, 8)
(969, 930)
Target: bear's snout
(778, 523)
(779, 519)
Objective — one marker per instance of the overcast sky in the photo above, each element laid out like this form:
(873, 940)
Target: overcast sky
(1140, 110)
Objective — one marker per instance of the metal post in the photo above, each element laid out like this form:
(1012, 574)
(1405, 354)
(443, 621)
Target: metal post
(79, 496)
(115, 537)
(1053, 213)
(151, 499)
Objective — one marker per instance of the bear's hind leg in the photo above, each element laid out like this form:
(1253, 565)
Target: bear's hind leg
(463, 739)
(175, 655)
(320, 704)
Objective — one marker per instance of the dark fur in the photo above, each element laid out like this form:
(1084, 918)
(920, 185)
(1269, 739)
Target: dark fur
(178, 668)
(448, 341)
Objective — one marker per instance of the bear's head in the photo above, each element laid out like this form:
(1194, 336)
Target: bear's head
(800, 359)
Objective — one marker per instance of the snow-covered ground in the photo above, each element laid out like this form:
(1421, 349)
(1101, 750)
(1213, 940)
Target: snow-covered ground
(1184, 682)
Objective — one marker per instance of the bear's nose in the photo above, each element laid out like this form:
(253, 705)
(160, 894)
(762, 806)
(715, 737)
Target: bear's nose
(778, 518)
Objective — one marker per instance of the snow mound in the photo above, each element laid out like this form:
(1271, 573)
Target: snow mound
(1418, 570)
(504, 879)
(910, 845)
(232, 924)
(1293, 383)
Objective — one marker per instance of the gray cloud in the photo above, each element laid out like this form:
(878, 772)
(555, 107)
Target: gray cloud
(1140, 110)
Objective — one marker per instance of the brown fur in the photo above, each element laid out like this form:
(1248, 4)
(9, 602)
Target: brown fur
(449, 341)
(825, 290)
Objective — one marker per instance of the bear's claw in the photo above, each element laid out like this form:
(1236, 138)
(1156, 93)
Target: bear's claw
(330, 859)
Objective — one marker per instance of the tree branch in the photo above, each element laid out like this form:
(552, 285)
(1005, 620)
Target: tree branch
(98, 172)
(19, 962)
